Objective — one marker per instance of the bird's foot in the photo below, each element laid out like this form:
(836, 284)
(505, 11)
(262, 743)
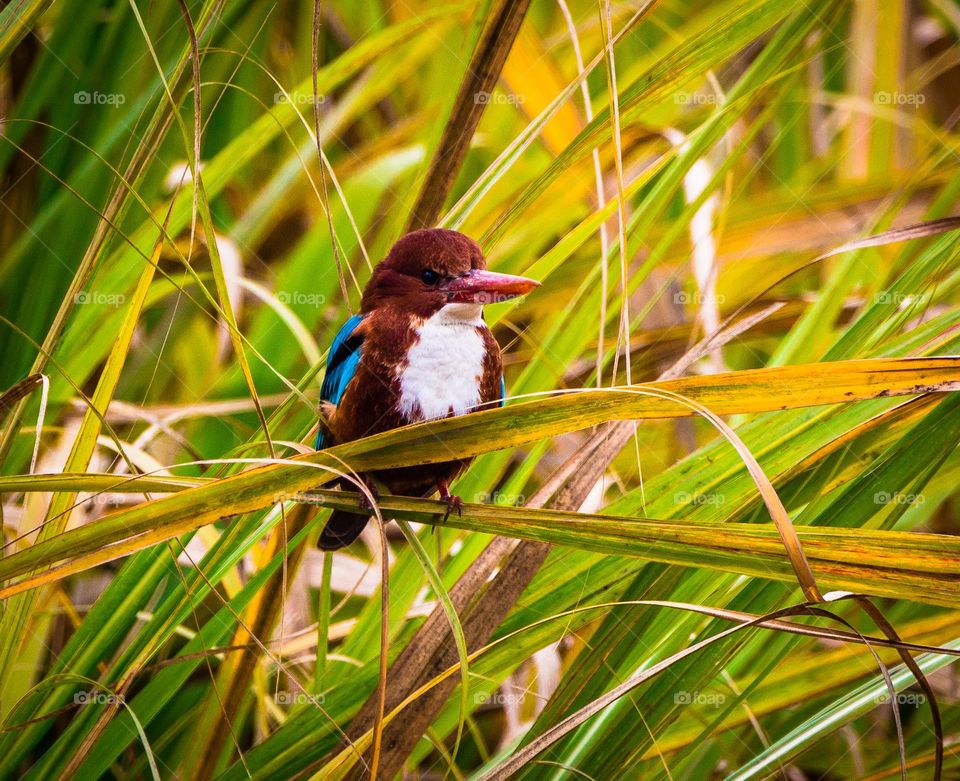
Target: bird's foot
(453, 501)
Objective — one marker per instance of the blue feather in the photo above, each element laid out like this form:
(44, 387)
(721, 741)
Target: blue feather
(342, 361)
(503, 391)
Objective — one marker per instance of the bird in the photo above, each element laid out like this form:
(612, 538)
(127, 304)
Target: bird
(417, 350)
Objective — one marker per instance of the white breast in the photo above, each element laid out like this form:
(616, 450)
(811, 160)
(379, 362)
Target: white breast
(445, 366)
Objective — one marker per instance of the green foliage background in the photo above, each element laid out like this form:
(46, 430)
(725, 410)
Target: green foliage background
(697, 228)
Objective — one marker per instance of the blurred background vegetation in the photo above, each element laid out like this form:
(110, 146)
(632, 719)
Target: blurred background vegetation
(688, 180)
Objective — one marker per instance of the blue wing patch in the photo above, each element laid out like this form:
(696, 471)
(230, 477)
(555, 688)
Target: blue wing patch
(503, 391)
(342, 363)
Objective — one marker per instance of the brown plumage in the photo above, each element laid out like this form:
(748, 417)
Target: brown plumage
(422, 342)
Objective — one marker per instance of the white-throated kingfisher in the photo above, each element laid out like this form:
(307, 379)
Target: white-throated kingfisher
(418, 350)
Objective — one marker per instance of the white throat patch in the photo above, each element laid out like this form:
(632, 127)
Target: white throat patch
(445, 366)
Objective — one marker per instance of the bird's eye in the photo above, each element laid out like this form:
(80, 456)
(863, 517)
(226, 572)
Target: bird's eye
(429, 277)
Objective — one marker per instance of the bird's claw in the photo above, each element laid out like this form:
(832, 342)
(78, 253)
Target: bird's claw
(365, 503)
(453, 501)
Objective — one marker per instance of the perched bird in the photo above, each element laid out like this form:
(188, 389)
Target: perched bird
(418, 350)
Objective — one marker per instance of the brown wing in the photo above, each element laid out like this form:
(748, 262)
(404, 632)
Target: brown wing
(369, 402)
(491, 383)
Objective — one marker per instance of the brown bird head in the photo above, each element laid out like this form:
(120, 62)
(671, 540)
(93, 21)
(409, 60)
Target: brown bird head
(428, 269)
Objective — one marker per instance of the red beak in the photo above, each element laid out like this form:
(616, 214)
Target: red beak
(487, 287)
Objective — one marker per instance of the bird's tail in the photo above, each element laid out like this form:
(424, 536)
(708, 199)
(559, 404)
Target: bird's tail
(342, 529)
